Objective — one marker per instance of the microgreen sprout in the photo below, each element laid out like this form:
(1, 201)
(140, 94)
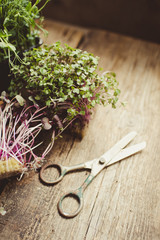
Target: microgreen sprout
(65, 80)
(19, 128)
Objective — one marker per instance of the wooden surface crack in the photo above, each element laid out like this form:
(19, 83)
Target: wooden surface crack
(91, 215)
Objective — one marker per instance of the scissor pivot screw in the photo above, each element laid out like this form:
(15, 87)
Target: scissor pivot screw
(102, 160)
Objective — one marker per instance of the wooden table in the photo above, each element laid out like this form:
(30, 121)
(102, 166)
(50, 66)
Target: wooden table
(123, 202)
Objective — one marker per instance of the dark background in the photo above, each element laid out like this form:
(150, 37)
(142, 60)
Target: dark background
(137, 18)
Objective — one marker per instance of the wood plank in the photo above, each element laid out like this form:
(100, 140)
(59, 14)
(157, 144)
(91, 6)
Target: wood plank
(123, 201)
(62, 32)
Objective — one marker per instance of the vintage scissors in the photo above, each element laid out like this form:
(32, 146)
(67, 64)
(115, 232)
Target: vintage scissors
(115, 154)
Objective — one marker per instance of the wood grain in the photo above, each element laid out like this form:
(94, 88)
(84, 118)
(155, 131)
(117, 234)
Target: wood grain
(122, 203)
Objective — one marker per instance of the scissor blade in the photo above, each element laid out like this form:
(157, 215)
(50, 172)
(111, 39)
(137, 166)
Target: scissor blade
(124, 153)
(118, 147)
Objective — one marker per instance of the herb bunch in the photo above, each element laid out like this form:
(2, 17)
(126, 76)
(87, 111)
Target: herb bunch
(65, 80)
(18, 28)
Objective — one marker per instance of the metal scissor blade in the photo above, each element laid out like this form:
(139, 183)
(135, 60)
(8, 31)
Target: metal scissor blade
(118, 147)
(124, 153)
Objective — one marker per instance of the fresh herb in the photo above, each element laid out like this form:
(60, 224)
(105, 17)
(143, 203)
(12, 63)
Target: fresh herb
(65, 80)
(18, 26)
(19, 127)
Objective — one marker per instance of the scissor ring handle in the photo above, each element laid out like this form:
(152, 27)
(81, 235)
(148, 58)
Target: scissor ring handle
(51, 165)
(76, 195)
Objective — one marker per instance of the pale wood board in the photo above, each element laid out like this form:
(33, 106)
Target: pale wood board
(122, 203)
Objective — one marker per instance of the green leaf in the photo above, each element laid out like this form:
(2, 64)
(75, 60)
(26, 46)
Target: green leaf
(76, 90)
(37, 97)
(117, 92)
(82, 112)
(48, 103)
(43, 71)
(20, 100)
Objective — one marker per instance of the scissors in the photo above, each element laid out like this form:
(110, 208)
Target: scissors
(113, 155)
